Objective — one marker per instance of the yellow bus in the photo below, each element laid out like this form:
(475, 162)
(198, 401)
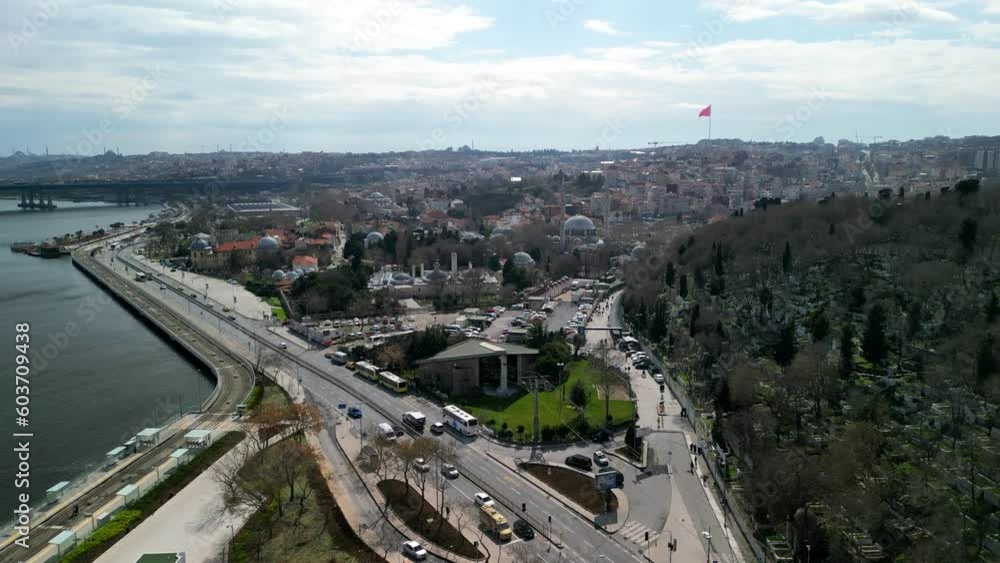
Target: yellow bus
(365, 369)
(495, 522)
(392, 381)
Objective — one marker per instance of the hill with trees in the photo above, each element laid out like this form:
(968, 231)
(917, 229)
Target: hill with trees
(845, 353)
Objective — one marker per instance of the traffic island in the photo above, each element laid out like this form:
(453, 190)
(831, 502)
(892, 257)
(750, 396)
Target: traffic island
(577, 487)
(421, 517)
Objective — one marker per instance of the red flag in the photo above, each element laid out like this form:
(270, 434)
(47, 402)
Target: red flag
(707, 112)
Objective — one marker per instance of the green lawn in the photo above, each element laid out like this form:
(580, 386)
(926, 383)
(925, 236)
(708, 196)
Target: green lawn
(519, 409)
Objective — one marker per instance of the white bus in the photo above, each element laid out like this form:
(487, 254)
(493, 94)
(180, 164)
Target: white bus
(393, 382)
(140, 277)
(365, 369)
(461, 420)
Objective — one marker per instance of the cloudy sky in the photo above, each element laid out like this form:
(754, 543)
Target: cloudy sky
(340, 75)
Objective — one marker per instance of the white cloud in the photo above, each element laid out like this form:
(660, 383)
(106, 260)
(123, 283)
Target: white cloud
(986, 31)
(898, 12)
(601, 26)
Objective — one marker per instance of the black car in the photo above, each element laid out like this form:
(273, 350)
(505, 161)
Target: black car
(580, 462)
(398, 430)
(524, 530)
(603, 435)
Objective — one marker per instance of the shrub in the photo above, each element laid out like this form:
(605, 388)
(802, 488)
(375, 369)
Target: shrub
(578, 395)
(548, 433)
(114, 529)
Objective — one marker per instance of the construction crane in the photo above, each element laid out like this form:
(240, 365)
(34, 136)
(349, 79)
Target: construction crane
(654, 144)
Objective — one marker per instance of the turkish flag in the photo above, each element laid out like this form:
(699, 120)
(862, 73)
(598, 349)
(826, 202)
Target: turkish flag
(707, 112)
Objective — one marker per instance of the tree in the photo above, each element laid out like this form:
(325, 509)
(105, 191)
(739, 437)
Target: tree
(847, 349)
(719, 267)
(699, 278)
(670, 276)
(786, 346)
(786, 258)
(993, 308)
(985, 362)
(578, 395)
(968, 186)
(874, 346)
(819, 325)
(682, 289)
(967, 234)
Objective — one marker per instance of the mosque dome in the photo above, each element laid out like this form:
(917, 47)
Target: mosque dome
(579, 223)
(278, 275)
(402, 278)
(437, 275)
(523, 259)
(374, 237)
(268, 243)
(200, 244)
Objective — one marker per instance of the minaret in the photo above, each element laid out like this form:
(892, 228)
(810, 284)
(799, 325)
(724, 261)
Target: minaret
(454, 264)
(562, 215)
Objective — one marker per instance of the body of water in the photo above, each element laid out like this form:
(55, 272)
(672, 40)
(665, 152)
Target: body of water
(98, 373)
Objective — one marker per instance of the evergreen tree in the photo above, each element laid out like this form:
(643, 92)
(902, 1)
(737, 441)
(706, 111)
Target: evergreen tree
(819, 325)
(682, 290)
(699, 278)
(873, 345)
(786, 258)
(847, 348)
(719, 270)
(967, 234)
(670, 275)
(985, 362)
(993, 309)
(787, 345)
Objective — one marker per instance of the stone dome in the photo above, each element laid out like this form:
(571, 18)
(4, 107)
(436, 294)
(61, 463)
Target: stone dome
(374, 237)
(579, 224)
(402, 278)
(523, 259)
(638, 251)
(268, 243)
(292, 276)
(278, 275)
(437, 275)
(200, 244)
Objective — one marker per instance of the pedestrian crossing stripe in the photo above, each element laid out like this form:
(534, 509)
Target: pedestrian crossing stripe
(636, 532)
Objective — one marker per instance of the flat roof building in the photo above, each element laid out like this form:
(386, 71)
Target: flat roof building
(475, 364)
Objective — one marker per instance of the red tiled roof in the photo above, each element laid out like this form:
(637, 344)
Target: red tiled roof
(300, 261)
(238, 245)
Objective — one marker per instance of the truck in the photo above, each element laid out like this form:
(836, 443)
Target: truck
(415, 419)
(494, 522)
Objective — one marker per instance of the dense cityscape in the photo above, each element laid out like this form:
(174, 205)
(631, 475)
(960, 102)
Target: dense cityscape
(500, 282)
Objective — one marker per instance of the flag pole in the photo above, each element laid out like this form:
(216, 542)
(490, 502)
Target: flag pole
(710, 129)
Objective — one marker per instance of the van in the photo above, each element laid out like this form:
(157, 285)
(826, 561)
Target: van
(415, 419)
(339, 358)
(385, 430)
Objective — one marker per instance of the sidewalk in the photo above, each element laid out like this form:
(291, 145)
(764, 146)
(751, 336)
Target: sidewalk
(193, 522)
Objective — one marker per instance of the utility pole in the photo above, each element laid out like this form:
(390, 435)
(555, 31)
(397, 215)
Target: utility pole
(536, 420)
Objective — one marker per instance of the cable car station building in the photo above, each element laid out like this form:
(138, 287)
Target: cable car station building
(476, 363)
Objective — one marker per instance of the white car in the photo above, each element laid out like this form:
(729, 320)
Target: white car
(658, 377)
(420, 464)
(483, 499)
(414, 550)
(283, 345)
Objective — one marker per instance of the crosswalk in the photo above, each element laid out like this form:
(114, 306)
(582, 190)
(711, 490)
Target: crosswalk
(636, 532)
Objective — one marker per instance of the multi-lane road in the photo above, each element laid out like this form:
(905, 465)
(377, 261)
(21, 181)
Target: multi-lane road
(330, 386)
